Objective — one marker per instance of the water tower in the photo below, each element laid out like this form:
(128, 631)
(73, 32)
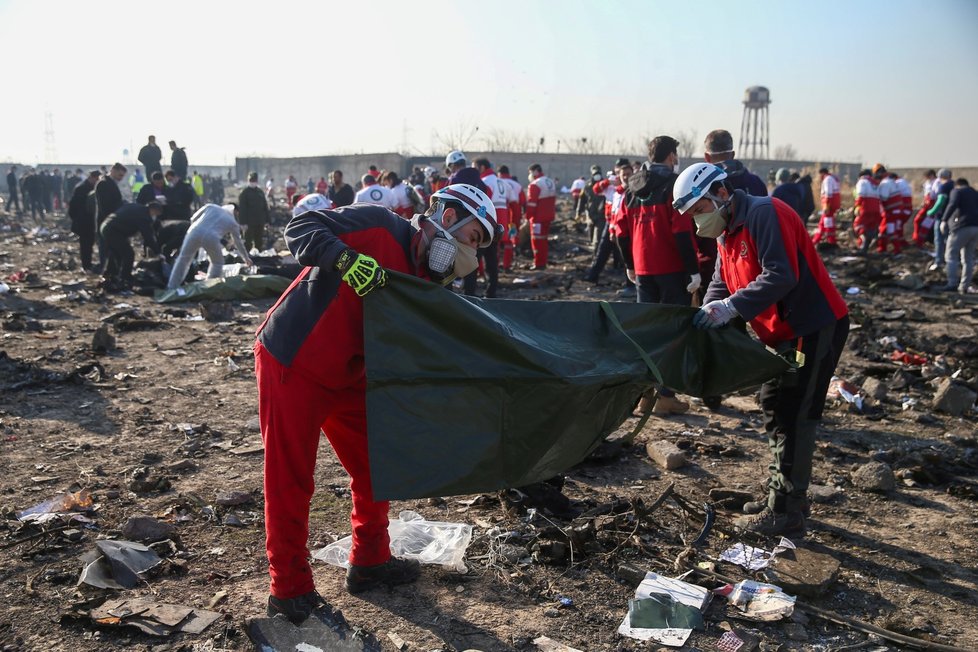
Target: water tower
(755, 131)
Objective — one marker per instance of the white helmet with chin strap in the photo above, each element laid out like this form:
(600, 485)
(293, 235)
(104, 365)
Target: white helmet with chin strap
(454, 156)
(694, 184)
(476, 203)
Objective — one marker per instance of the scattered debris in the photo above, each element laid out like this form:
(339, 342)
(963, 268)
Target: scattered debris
(147, 529)
(753, 558)
(232, 498)
(118, 564)
(666, 454)
(103, 341)
(79, 501)
(669, 595)
(953, 398)
(152, 617)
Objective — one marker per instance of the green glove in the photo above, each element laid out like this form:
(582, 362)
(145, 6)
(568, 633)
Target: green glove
(362, 273)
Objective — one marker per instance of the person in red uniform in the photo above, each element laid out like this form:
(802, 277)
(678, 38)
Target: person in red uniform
(656, 243)
(921, 223)
(867, 210)
(891, 206)
(769, 274)
(831, 202)
(517, 200)
(309, 363)
(541, 208)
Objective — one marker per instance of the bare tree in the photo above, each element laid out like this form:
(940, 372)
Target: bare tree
(786, 152)
(688, 143)
(456, 136)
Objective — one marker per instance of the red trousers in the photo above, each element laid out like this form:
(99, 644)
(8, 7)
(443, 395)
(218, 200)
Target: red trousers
(826, 224)
(292, 409)
(891, 232)
(865, 223)
(923, 224)
(538, 241)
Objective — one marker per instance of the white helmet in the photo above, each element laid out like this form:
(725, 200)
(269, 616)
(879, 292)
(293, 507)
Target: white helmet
(311, 202)
(454, 157)
(476, 202)
(429, 172)
(694, 183)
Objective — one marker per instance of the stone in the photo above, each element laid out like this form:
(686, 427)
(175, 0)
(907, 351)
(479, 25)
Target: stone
(182, 465)
(666, 454)
(820, 493)
(252, 424)
(952, 398)
(795, 632)
(732, 499)
(874, 476)
(217, 311)
(103, 341)
(147, 529)
(803, 571)
(230, 498)
(875, 388)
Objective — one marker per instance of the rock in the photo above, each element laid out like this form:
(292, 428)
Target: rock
(147, 529)
(182, 465)
(217, 311)
(252, 424)
(875, 388)
(819, 493)
(952, 398)
(230, 498)
(73, 534)
(103, 341)
(666, 454)
(803, 572)
(874, 476)
(795, 632)
(732, 499)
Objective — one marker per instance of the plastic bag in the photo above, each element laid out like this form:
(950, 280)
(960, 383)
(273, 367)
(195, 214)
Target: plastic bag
(412, 537)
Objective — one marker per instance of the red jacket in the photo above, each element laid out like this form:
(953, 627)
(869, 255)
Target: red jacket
(316, 326)
(661, 238)
(769, 268)
(541, 200)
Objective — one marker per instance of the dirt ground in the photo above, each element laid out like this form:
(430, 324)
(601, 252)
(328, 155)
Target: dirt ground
(164, 422)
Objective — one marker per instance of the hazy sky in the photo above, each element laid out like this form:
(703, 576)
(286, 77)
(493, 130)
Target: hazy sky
(894, 81)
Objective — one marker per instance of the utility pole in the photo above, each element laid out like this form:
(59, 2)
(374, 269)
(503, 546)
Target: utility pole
(50, 149)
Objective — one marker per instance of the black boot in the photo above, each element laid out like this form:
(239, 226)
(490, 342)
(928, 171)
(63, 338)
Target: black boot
(391, 573)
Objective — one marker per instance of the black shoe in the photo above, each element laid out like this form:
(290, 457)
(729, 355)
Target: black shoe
(296, 609)
(772, 524)
(713, 403)
(391, 573)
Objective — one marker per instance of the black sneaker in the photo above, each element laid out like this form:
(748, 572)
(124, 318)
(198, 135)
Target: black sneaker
(772, 524)
(296, 609)
(391, 573)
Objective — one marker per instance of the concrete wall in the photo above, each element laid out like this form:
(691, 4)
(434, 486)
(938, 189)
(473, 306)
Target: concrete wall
(353, 167)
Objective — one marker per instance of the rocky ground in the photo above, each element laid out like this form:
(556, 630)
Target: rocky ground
(158, 419)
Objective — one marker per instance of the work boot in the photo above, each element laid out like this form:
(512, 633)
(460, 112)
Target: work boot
(666, 405)
(627, 292)
(645, 404)
(391, 573)
(770, 523)
(296, 609)
(713, 403)
(758, 506)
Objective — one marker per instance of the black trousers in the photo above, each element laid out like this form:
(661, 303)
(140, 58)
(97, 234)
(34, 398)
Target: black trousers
(490, 258)
(13, 200)
(119, 255)
(792, 407)
(604, 250)
(86, 245)
(664, 288)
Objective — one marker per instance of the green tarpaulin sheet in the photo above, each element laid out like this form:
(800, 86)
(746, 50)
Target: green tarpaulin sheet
(226, 289)
(469, 395)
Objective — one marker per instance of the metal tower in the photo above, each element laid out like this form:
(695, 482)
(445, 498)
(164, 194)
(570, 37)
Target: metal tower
(50, 150)
(755, 128)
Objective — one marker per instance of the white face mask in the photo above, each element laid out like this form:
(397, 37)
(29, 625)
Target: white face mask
(677, 167)
(447, 258)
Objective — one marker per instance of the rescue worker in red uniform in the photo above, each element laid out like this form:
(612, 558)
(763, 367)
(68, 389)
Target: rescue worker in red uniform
(309, 362)
(517, 200)
(541, 208)
(831, 193)
(921, 223)
(656, 243)
(867, 210)
(891, 206)
(769, 274)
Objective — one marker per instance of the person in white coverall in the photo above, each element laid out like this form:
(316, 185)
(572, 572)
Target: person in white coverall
(207, 227)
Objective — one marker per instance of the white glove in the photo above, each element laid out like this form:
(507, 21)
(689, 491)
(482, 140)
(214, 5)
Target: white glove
(695, 281)
(714, 314)
(630, 273)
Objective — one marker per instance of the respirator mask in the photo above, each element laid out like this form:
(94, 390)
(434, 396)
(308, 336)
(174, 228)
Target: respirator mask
(447, 258)
(712, 224)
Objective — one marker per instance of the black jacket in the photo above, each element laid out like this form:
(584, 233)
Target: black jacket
(591, 202)
(148, 193)
(150, 156)
(342, 197)
(108, 198)
(807, 197)
(179, 199)
(129, 220)
(178, 162)
(12, 184)
(962, 209)
(82, 221)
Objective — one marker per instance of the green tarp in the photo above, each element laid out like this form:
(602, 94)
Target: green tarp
(469, 395)
(255, 286)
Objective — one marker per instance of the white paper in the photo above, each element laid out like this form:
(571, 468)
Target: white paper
(683, 592)
(753, 558)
